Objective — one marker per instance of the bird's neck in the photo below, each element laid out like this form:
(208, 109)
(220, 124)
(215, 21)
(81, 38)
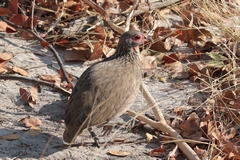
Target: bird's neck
(125, 51)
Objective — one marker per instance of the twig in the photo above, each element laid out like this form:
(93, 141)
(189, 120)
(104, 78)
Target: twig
(129, 17)
(50, 47)
(161, 124)
(156, 5)
(36, 81)
(105, 16)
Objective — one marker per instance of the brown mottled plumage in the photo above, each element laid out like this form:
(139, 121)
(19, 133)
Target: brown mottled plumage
(106, 89)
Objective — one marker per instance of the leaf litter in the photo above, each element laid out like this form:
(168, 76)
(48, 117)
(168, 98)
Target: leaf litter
(213, 120)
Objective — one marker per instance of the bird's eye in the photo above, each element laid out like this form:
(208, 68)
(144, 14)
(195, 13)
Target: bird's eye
(137, 37)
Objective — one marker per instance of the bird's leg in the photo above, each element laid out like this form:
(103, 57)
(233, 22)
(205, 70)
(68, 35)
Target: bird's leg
(107, 128)
(130, 125)
(94, 136)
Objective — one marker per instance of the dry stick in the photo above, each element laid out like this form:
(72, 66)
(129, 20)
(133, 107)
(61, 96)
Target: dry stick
(156, 5)
(105, 16)
(161, 124)
(36, 81)
(50, 47)
(128, 20)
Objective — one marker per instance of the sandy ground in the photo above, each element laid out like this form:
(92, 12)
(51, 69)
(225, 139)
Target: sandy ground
(50, 110)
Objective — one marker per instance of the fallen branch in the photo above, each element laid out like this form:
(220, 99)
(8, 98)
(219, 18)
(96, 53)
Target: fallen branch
(161, 124)
(36, 82)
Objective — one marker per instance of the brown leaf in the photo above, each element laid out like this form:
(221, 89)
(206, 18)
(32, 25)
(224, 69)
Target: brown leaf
(4, 26)
(20, 71)
(13, 6)
(34, 94)
(11, 137)
(4, 11)
(50, 78)
(25, 95)
(77, 55)
(158, 151)
(237, 103)
(158, 37)
(62, 77)
(119, 153)
(31, 122)
(191, 125)
(202, 153)
(151, 138)
(44, 44)
(193, 69)
(4, 58)
(170, 58)
(108, 51)
(100, 33)
(97, 51)
(23, 21)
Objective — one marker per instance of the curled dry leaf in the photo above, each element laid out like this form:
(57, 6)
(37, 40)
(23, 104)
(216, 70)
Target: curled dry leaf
(119, 153)
(4, 58)
(191, 125)
(158, 151)
(108, 51)
(20, 71)
(5, 27)
(151, 138)
(31, 121)
(97, 51)
(50, 78)
(25, 95)
(78, 55)
(23, 20)
(29, 97)
(10, 137)
(202, 153)
(34, 93)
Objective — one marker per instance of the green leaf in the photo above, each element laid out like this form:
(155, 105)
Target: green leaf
(215, 64)
(216, 56)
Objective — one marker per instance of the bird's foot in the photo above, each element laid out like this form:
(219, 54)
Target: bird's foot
(107, 128)
(130, 125)
(94, 136)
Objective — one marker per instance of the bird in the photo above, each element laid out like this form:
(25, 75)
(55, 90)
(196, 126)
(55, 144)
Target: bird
(107, 89)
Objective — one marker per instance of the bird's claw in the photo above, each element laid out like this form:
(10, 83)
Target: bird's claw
(95, 138)
(107, 128)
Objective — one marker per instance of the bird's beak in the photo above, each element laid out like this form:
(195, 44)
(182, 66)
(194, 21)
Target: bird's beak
(148, 38)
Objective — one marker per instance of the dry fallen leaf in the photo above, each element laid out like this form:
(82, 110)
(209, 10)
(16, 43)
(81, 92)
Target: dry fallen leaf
(50, 78)
(119, 153)
(25, 95)
(29, 97)
(4, 58)
(62, 77)
(20, 71)
(10, 137)
(31, 121)
(151, 138)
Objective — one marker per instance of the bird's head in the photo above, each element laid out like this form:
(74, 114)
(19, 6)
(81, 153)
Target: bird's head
(133, 38)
